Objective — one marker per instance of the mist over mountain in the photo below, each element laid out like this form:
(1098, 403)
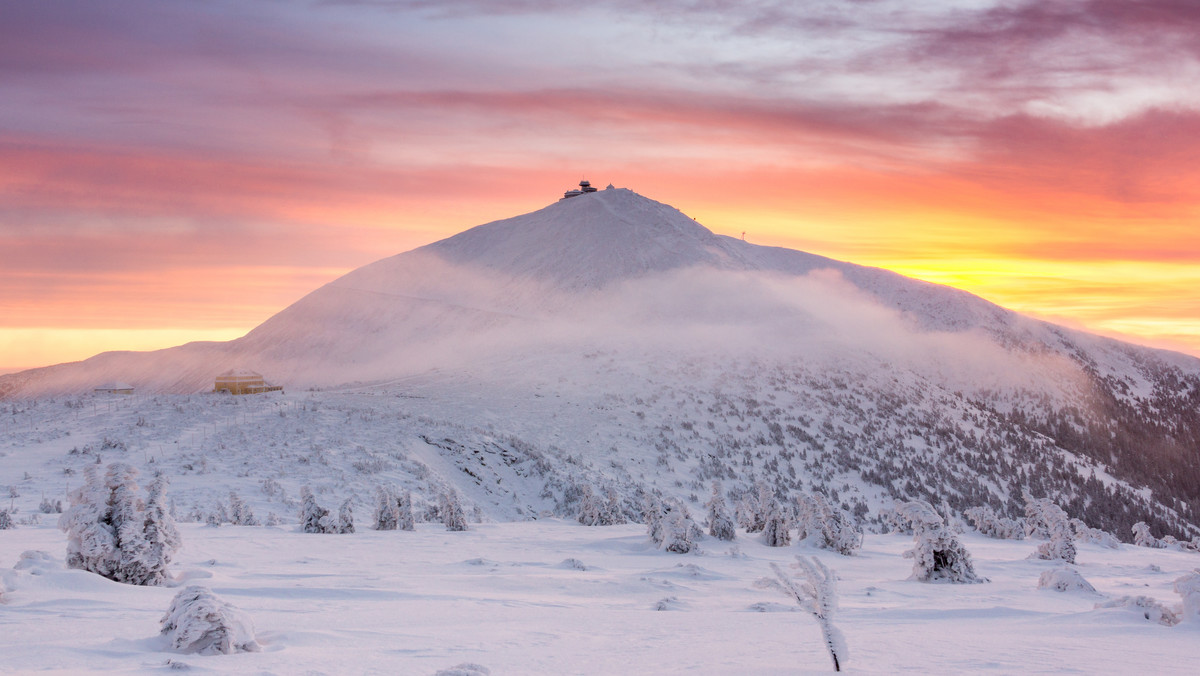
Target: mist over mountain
(610, 339)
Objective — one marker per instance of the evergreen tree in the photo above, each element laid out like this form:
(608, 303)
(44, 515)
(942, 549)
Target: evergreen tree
(313, 517)
(346, 517)
(404, 509)
(452, 512)
(387, 510)
(720, 525)
(937, 554)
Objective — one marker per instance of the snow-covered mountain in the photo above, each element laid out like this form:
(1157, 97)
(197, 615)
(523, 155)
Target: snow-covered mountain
(610, 339)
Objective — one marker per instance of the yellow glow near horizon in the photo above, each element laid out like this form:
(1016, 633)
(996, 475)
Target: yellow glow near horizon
(33, 347)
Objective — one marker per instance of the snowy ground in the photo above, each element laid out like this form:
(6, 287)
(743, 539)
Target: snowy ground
(554, 597)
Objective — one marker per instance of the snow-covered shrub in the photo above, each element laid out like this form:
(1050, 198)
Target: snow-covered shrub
(240, 513)
(1143, 538)
(613, 514)
(752, 508)
(1085, 533)
(313, 517)
(1148, 607)
(1042, 515)
(50, 506)
(6, 520)
(817, 595)
(452, 512)
(404, 506)
(652, 514)
(591, 510)
(1188, 586)
(111, 531)
(937, 554)
(200, 622)
(988, 523)
(1064, 580)
(824, 527)
(720, 525)
(679, 532)
(465, 669)
(346, 516)
(387, 510)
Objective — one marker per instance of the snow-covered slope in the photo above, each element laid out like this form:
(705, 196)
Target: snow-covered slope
(609, 330)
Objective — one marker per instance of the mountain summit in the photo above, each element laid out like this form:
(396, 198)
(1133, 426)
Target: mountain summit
(612, 320)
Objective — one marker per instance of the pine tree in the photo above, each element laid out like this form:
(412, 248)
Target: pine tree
(1143, 538)
(613, 514)
(1045, 516)
(313, 517)
(720, 525)
(452, 512)
(404, 509)
(346, 517)
(387, 510)
(937, 554)
(590, 509)
(818, 595)
(680, 532)
(777, 528)
(240, 513)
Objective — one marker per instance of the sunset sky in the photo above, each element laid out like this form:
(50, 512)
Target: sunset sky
(176, 171)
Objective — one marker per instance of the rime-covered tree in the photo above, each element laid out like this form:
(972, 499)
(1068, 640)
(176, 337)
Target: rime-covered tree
(652, 514)
(452, 512)
(404, 507)
(111, 531)
(614, 515)
(346, 516)
(1045, 516)
(937, 554)
(6, 520)
(387, 510)
(591, 510)
(200, 622)
(817, 595)
(720, 525)
(777, 527)
(988, 523)
(240, 513)
(1085, 533)
(824, 527)
(680, 532)
(1188, 586)
(313, 517)
(1143, 538)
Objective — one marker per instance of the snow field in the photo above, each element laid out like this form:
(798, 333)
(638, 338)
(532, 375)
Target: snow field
(554, 597)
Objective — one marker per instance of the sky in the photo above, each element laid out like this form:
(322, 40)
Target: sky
(175, 171)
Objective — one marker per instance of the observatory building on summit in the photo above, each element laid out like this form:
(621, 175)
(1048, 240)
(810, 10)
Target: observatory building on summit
(584, 186)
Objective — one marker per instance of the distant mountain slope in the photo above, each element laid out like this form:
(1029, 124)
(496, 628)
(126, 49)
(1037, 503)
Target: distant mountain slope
(896, 377)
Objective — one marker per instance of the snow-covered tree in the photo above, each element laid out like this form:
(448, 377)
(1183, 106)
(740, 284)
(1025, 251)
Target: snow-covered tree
(1045, 516)
(1085, 533)
(111, 531)
(591, 510)
(387, 510)
(818, 595)
(6, 520)
(777, 528)
(937, 554)
(1143, 538)
(200, 622)
(613, 514)
(680, 532)
(404, 508)
(988, 523)
(824, 527)
(720, 525)
(313, 517)
(652, 514)
(240, 513)
(346, 516)
(1188, 586)
(452, 512)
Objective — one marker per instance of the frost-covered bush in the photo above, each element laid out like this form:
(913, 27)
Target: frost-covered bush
(346, 517)
(1085, 533)
(1143, 538)
(591, 509)
(6, 520)
(240, 513)
(111, 531)
(1064, 580)
(680, 533)
(720, 525)
(387, 510)
(1042, 515)
(937, 554)
(1149, 608)
(1188, 586)
(817, 595)
(825, 527)
(988, 523)
(753, 507)
(404, 506)
(200, 622)
(49, 506)
(313, 517)
(614, 514)
(452, 512)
